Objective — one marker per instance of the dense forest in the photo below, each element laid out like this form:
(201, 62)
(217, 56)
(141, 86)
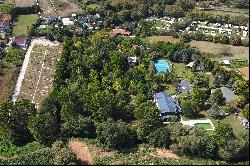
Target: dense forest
(99, 95)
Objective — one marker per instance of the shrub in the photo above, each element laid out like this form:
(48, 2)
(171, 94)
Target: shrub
(115, 135)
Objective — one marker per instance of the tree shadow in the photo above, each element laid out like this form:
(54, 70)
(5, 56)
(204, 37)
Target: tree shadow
(80, 162)
(129, 150)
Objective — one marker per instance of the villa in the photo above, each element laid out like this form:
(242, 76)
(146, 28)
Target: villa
(167, 105)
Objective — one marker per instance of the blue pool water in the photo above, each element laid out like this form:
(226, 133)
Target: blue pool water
(161, 66)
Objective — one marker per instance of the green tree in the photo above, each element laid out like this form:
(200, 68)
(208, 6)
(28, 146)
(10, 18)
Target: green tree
(185, 37)
(224, 133)
(217, 97)
(64, 157)
(160, 138)
(246, 111)
(14, 119)
(200, 81)
(148, 111)
(231, 150)
(189, 108)
(235, 39)
(78, 127)
(44, 128)
(199, 96)
(115, 135)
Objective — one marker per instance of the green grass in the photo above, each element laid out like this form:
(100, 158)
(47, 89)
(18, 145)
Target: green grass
(93, 6)
(181, 71)
(170, 89)
(239, 63)
(234, 12)
(204, 125)
(20, 28)
(235, 123)
(159, 24)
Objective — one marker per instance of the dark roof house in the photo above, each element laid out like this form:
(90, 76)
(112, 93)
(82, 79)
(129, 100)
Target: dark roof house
(167, 105)
(227, 94)
(184, 86)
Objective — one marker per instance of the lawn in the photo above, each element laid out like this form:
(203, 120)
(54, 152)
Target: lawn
(93, 6)
(216, 49)
(21, 24)
(159, 24)
(203, 125)
(154, 39)
(170, 89)
(235, 123)
(229, 11)
(181, 71)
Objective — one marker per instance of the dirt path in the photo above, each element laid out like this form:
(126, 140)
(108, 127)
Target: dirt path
(81, 150)
(166, 153)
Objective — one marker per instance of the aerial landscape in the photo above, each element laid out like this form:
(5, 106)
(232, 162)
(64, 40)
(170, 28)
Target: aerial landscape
(124, 82)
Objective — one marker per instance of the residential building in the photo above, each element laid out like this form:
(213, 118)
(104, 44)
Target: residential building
(21, 42)
(227, 94)
(184, 86)
(167, 105)
(119, 31)
(67, 21)
(5, 22)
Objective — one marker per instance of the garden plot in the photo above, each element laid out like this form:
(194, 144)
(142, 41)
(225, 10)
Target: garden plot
(61, 7)
(66, 7)
(38, 78)
(24, 3)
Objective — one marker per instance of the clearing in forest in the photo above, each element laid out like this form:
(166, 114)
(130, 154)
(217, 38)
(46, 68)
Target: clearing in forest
(36, 77)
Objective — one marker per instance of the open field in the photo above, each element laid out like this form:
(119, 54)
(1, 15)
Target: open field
(24, 3)
(66, 7)
(47, 8)
(21, 24)
(229, 11)
(63, 7)
(239, 52)
(153, 39)
(39, 74)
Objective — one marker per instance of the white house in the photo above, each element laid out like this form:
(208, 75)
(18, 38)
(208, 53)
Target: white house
(225, 62)
(132, 59)
(67, 21)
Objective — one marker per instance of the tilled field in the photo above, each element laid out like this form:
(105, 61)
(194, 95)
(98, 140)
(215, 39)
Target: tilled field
(24, 3)
(63, 7)
(39, 75)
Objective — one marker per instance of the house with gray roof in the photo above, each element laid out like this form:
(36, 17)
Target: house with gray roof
(184, 86)
(227, 94)
(168, 106)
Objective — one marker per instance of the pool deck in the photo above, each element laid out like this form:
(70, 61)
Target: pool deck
(193, 122)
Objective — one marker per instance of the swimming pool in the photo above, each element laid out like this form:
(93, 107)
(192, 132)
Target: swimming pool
(161, 66)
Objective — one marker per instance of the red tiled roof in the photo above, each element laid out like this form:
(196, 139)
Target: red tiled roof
(117, 31)
(19, 40)
(5, 17)
(245, 72)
